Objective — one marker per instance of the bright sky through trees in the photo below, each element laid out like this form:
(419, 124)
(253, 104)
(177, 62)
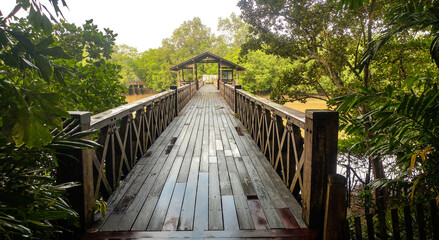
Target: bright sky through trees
(142, 23)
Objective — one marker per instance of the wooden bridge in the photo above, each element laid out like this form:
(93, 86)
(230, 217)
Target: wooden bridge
(209, 163)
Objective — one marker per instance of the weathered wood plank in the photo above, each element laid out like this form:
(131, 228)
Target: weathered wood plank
(272, 215)
(229, 213)
(126, 201)
(152, 153)
(212, 141)
(173, 214)
(144, 215)
(204, 164)
(288, 218)
(131, 196)
(257, 214)
(188, 208)
(184, 171)
(158, 217)
(215, 209)
(242, 210)
(277, 189)
(226, 189)
(218, 169)
(303, 234)
(201, 220)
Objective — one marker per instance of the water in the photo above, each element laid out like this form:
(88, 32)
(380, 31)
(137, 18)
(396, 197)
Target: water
(132, 98)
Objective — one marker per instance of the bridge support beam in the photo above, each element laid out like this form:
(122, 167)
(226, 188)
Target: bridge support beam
(79, 169)
(321, 139)
(335, 213)
(236, 98)
(175, 88)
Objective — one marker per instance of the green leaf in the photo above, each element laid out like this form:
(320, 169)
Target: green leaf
(4, 40)
(57, 52)
(434, 50)
(35, 18)
(11, 60)
(44, 65)
(46, 24)
(44, 44)
(408, 82)
(30, 131)
(24, 41)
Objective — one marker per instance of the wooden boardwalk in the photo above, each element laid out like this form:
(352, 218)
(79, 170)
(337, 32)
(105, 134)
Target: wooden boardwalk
(204, 176)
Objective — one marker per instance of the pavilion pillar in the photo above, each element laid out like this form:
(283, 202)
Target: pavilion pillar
(178, 78)
(196, 76)
(219, 72)
(182, 75)
(237, 77)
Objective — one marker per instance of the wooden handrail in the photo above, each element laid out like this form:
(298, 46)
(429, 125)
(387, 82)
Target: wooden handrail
(104, 118)
(301, 147)
(125, 133)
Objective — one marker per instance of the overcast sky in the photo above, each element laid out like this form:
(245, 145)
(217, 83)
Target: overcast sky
(142, 23)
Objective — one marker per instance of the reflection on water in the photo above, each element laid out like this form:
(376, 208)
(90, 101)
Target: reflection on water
(132, 98)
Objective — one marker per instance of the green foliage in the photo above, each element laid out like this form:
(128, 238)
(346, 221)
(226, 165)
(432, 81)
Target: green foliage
(365, 198)
(324, 58)
(417, 16)
(30, 202)
(151, 67)
(404, 125)
(93, 82)
(29, 108)
(45, 69)
(124, 56)
(234, 31)
(263, 71)
(94, 87)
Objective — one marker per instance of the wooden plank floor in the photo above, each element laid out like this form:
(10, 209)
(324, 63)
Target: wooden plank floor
(201, 175)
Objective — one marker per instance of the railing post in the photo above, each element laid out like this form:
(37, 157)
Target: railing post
(79, 169)
(321, 139)
(335, 210)
(236, 98)
(175, 88)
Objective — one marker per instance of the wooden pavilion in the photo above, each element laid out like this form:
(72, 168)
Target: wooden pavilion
(226, 68)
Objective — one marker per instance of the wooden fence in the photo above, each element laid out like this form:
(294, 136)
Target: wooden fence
(125, 133)
(302, 147)
(409, 222)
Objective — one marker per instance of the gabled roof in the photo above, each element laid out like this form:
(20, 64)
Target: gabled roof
(207, 57)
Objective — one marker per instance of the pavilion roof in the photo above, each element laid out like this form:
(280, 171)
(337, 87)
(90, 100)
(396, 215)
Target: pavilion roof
(207, 57)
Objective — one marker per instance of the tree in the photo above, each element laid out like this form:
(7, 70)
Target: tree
(124, 56)
(93, 76)
(402, 118)
(263, 71)
(298, 30)
(234, 31)
(40, 65)
(338, 52)
(190, 39)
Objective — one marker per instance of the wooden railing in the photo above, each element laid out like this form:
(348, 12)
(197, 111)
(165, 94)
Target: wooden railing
(125, 133)
(301, 147)
(193, 84)
(200, 83)
(399, 222)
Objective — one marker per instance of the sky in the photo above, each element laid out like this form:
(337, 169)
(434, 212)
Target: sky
(142, 23)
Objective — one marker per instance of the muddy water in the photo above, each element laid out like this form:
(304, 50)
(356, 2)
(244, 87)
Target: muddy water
(311, 103)
(132, 98)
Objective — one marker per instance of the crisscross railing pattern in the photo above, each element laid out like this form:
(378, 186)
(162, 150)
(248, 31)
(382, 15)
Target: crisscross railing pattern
(125, 133)
(301, 147)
